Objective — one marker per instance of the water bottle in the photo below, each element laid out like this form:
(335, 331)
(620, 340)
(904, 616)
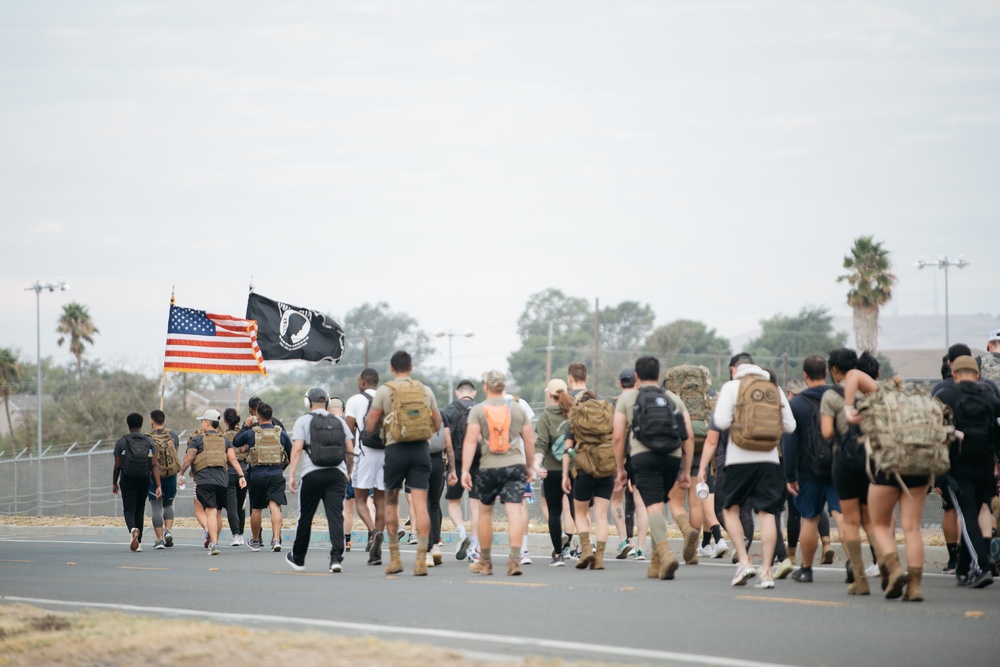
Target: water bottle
(571, 453)
(702, 490)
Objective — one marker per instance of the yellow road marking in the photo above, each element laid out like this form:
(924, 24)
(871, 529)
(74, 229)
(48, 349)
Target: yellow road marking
(304, 574)
(12, 560)
(811, 603)
(132, 567)
(975, 614)
(523, 584)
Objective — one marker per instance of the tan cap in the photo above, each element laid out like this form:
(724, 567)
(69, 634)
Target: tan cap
(964, 363)
(556, 385)
(495, 380)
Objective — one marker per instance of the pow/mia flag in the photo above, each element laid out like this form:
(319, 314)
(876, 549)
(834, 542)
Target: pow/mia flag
(289, 332)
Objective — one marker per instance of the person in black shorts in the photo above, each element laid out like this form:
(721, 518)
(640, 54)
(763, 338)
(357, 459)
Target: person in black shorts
(455, 416)
(267, 482)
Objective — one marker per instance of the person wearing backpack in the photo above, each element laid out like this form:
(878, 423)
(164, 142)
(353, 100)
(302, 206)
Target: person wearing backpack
(502, 432)
(989, 363)
(756, 413)
(269, 448)
(369, 465)
(808, 461)
(550, 444)
(208, 453)
(409, 416)
(652, 427)
(169, 464)
(889, 489)
(970, 483)
(135, 462)
(850, 472)
(329, 446)
(455, 417)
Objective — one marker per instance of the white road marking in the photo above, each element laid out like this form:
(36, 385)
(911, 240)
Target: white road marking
(371, 628)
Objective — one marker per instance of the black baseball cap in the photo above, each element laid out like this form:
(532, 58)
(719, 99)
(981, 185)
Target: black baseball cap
(465, 383)
(627, 377)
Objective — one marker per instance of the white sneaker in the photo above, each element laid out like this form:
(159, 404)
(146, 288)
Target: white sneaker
(525, 558)
(744, 571)
(872, 570)
(720, 550)
(707, 551)
(237, 540)
(429, 560)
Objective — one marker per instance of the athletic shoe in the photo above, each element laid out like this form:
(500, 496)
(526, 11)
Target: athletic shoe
(159, 545)
(980, 579)
(995, 549)
(334, 567)
(208, 540)
(435, 554)
(949, 568)
(368, 544)
(237, 540)
(134, 544)
(254, 545)
(481, 567)
(347, 543)
(514, 568)
(298, 567)
(850, 572)
(765, 582)
(375, 552)
(557, 561)
(413, 539)
(720, 550)
(638, 555)
(706, 551)
(138, 549)
(961, 580)
(783, 569)
(213, 550)
(474, 553)
(463, 549)
(401, 534)
(744, 571)
(429, 560)
(624, 547)
(872, 570)
(525, 558)
(168, 539)
(407, 523)
(736, 557)
(803, 575)
(275, 545)
(574, 554)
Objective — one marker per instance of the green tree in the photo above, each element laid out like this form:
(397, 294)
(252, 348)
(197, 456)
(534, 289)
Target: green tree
(11, 374)
(689, 342)
(785, 340)
(75, 323)
(871, 288)
(625, 326)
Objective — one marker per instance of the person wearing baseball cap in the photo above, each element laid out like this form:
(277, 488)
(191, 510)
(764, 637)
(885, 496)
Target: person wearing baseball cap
(989, 363)
(207, 453)
(970, 482)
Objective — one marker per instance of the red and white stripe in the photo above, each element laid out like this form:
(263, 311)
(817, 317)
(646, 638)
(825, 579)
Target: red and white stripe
(233, 349)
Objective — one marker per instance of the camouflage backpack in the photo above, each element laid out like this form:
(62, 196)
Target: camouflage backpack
(691, 383)
(907, 430)
(990, 366)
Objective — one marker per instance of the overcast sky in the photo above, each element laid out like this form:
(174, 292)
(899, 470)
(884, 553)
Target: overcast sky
(713, 159)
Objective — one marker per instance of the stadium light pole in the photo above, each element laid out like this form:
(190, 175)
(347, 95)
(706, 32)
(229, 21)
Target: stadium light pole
(37, 289)
(450, 334)
(943, 263)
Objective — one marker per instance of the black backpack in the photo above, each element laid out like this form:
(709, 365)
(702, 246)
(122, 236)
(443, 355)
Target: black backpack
(656, 421)
(816, 451)
(850, 449)
(327, 441)
(136, 457)
(457, 415)
(974, 417)
(370, 440)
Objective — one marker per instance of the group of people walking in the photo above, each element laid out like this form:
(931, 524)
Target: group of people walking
(751, 447)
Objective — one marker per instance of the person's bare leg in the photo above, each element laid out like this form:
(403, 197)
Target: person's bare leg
(618, 513)
(734, 526)
(381, 503)
(255, 522)
(809, 540)
(212, 518)
(275, 520)
(768, 540)
(362, 509)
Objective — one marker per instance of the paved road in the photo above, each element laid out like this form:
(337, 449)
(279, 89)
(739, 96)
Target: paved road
(615, 615)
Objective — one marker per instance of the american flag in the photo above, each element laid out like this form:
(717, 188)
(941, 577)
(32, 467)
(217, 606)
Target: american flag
(200, 342)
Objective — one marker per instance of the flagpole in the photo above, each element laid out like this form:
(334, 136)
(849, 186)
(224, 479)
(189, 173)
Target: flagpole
(239, 392)
(163, 388)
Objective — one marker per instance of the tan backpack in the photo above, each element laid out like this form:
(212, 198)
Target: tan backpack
(591, 421)
(757, 425)
(410, 418)
(166, 453)
(691, 384)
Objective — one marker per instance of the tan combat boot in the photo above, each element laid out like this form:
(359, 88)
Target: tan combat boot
(668, 561)
(914, 593)
(395, 565)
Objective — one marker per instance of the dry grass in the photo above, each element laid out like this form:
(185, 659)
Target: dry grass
(30, 636)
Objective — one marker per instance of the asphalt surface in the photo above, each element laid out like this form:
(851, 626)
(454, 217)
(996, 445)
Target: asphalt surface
(616, 615)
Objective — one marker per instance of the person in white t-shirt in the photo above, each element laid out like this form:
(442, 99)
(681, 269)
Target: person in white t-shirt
(369, 466)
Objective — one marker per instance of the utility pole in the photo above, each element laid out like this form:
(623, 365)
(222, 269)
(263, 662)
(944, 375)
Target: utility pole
(366, 351)
(597, 340)
(548, 357)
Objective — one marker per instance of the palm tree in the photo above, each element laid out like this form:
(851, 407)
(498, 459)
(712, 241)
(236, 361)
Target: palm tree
(871, 288)
(75, 322)
(11, 372)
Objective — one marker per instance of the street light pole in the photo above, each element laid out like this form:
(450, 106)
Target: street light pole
(943, 263)
(451, 377)
(37, 289)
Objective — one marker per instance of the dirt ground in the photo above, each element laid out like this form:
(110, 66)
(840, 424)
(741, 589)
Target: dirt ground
(30, 636)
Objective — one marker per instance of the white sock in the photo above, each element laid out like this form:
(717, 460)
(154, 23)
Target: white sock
(524, 543)
(461, 533)
(475, 541)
